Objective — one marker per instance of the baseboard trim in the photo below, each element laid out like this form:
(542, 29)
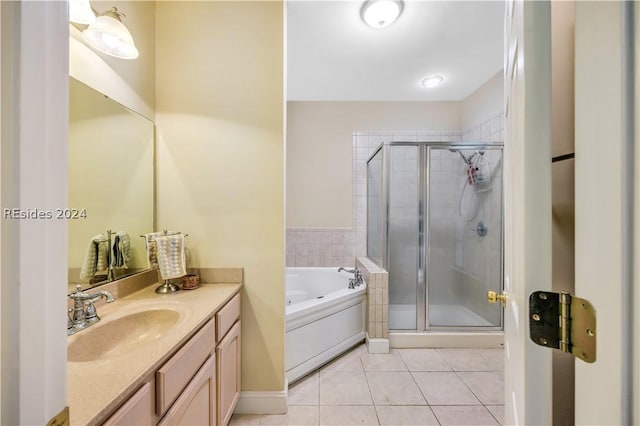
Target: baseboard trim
(262, 402)
(447, 340)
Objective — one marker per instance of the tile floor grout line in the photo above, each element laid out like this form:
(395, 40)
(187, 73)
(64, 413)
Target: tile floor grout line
(493, 415)
(470, 390)
(373, 402)
(420, 389)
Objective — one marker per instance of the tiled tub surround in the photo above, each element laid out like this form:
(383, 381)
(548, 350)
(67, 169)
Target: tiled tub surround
(376, 317)
(96, 388)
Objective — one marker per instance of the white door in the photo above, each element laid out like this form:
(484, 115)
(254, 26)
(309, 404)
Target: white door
(605, 212)
(527, 206)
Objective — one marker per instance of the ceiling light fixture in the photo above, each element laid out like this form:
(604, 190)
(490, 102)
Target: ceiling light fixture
(381, 13)
(110, 36)
(431, 82)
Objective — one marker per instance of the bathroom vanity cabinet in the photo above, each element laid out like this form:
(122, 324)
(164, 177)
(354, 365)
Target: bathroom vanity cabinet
(228, 359)
(198, 385)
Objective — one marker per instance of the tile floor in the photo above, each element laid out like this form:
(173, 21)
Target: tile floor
(404, 387)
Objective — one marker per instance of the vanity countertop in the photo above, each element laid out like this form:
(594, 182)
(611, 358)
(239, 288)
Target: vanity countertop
(96, 388)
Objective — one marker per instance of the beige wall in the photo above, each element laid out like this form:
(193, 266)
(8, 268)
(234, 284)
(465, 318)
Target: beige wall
(319, 151)
(129, 82)
(484, 103)
(220, 157)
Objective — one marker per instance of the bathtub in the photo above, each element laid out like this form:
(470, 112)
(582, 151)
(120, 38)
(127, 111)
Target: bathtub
(324, 318)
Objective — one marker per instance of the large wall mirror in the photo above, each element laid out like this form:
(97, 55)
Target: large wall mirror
(111, 180)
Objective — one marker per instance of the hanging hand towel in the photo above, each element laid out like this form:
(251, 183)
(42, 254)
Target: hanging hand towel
(121, 250)
(152, 250)
(171, 256)
(96, 257)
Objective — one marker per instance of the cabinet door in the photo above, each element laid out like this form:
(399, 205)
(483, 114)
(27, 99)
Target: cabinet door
(197, 404)
(228, 373)
(138, 410)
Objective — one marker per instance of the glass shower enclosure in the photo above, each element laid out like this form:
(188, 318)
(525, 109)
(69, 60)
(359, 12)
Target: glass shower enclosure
(434, 222)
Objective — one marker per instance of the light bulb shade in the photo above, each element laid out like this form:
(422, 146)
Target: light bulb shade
(381, 13)
(80, 12)
(432, 81)
(110, 36)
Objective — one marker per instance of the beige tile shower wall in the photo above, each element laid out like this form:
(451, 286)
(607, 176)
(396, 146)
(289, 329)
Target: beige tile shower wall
(320, 247)
(377, 313)
(481, 266)
(364, 145)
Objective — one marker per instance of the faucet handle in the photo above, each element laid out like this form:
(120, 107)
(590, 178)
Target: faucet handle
(78, 294)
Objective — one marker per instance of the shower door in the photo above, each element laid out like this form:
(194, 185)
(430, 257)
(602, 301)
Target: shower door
(464, 236)
(402, 164)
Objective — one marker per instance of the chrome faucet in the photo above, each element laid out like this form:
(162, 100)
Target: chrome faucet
(84, 313)
(357, 279)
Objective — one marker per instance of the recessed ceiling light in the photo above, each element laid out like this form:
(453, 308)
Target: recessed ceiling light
(381, 13)
(431, 82)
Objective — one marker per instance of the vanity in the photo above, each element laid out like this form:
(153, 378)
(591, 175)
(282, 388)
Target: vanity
(159, 359)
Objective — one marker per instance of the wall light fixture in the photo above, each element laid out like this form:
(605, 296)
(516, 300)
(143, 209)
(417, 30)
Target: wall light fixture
(106, 32)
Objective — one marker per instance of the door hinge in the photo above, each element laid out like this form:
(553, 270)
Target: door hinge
(564, 322)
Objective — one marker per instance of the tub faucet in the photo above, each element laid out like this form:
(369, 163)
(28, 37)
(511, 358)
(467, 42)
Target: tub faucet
(357, 280)
(84, 313)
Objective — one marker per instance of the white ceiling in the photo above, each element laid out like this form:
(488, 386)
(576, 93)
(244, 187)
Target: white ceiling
(333, 55)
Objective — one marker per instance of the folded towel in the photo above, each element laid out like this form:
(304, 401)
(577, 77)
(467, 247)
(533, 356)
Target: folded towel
(95, 260)
(121, 250)
(171, 256)
(152, 251)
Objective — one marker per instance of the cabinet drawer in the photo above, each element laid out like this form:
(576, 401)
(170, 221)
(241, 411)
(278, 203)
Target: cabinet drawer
(197, 404)
(138, 410)
(227, 316)
(174, 375)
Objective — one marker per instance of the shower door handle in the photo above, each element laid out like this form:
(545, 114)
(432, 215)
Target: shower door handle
(493, 297)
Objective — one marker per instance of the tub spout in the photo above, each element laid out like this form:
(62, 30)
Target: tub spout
(357, 280)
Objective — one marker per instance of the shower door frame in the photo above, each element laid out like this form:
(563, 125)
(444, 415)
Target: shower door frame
(422, 284)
